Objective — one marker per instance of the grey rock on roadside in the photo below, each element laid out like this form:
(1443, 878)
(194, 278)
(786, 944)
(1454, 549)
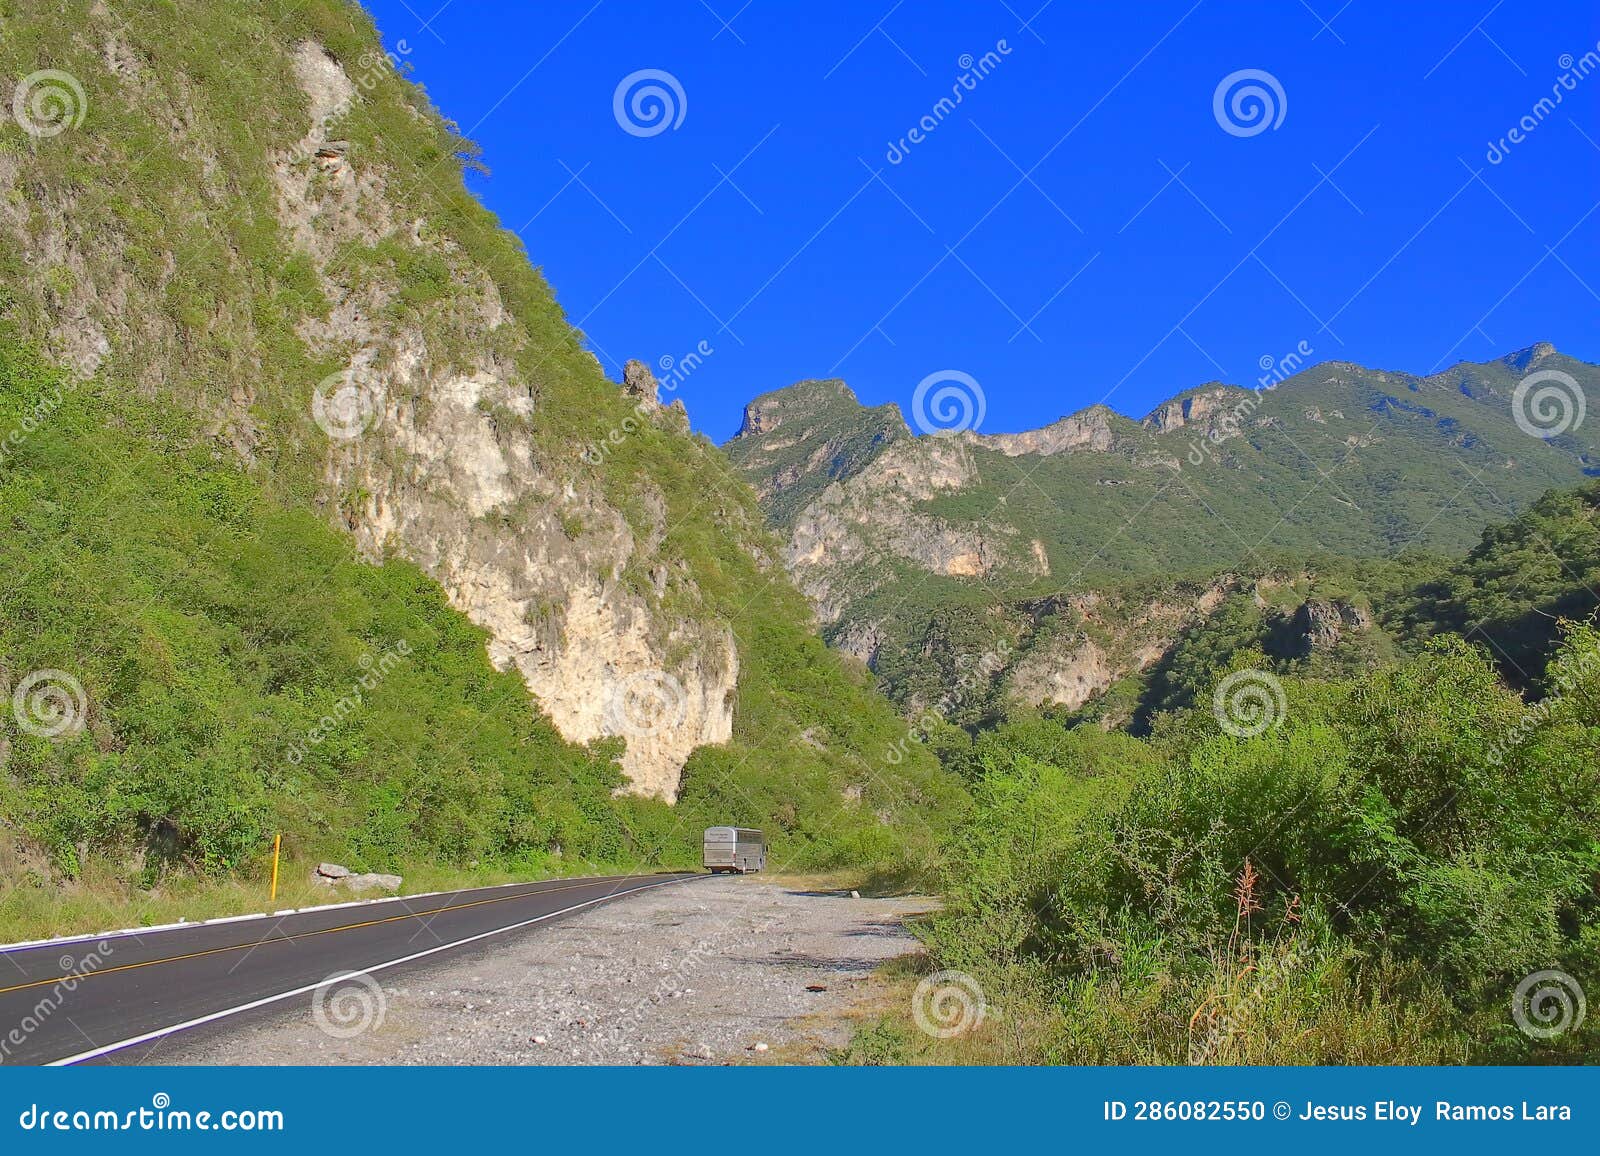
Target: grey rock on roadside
(337, 875)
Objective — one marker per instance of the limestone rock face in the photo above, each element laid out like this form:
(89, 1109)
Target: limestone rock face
(433, 462)
(1089, 430)
(1211, 408)
(1068, 676)
(640, 384)
(837, 543)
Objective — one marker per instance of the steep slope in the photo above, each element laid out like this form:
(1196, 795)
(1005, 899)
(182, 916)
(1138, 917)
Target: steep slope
(245, 220)
(946, 545)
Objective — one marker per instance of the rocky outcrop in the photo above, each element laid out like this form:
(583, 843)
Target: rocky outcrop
(839, 543)
(1090, 429)
(1067, 674)
(639, 385)
(433, 459)
(1212, 408)
(1082, 643)
(1323, 623)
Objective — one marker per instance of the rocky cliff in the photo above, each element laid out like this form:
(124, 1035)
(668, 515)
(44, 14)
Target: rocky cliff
(951, 543)
(281, 255)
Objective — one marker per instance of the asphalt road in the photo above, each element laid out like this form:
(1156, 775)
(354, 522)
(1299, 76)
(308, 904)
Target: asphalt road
(110, 998)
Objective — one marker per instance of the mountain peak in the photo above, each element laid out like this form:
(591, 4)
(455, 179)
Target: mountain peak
(1192, 406)
(1525, 359)
(1089, 428)
(804, 399)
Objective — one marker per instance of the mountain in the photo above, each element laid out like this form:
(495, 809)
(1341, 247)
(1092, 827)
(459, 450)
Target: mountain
(285, 409)
(1064, 559)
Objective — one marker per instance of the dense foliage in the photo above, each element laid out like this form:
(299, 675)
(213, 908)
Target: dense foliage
(1366, 881)
(171, 539)
(1336, 462)
(243, 673)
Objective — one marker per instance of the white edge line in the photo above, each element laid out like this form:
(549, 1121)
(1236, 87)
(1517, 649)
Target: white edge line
(189, 925)
(339, 977)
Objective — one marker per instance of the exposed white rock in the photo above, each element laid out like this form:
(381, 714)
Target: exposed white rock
(444, 474)
(1089, 429)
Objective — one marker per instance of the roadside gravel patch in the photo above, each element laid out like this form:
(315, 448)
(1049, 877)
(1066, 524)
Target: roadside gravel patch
(724, 970)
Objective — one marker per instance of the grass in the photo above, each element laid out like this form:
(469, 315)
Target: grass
(101, 898)
(206, 600)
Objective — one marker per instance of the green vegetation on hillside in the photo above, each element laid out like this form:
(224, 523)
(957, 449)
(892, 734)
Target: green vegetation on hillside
(208, 636)
(1338, 463)
(172, 541)
(1366, 881)
(1516, 585)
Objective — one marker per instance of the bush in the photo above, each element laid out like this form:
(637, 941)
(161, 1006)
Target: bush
(1366, 882)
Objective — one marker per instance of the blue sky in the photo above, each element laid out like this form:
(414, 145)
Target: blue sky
(1081, 227)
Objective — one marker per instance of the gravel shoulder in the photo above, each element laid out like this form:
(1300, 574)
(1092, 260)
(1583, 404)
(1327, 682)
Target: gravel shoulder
(723, 970)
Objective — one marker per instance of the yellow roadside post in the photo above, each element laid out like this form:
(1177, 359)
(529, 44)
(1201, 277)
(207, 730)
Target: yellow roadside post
(277, 844)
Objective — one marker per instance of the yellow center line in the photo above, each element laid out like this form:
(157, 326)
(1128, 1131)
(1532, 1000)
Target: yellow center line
(287, 938)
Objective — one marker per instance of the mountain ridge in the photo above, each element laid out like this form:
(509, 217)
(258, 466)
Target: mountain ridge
(289, 319)
(1527, 357)
(910, 544)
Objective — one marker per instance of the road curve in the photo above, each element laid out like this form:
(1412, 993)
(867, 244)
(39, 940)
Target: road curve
(110, 998)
